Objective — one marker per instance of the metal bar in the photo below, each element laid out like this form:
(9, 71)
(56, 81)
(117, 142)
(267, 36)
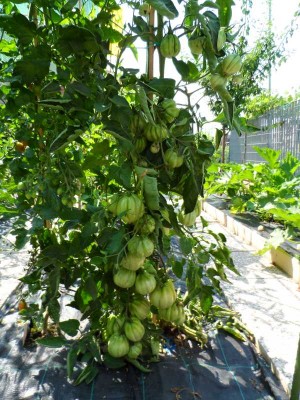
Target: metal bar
(295, 392)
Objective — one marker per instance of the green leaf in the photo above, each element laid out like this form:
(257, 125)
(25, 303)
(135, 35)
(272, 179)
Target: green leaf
(218, 137)
(52, 341)
(151, 193)
(54, 310)
(164, 86)
(76, 40)
(112, 362)
(121, 174)
(177, 268)
(68, 6)
(188, 71)
(70, 327)
(115, 242)
(190, 194)
(87, 375)
(165, 8)
(90, 288)
(34, 66)
(270, 155)
(71, 361)
(225, 11)
(143, 99)
(53, 281)
(206, 298)
(186, 245)
(19, 26)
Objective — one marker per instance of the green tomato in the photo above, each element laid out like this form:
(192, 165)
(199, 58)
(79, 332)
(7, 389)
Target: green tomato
(139, 308)
(141, 246)
(124, 278)
(173, 159)
(131, 207)
(174, 314)
(154, 148)
(133, 261)
(145, 282)
(156, 133)
(135, 350)
(164, 296)
(134, 329)
(118, 345)
(170, 46)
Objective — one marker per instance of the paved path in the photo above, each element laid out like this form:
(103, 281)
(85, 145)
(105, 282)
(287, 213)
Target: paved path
(268, 302)
(12, 264)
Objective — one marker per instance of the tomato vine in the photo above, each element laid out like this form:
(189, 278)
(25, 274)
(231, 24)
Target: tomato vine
(104, 169)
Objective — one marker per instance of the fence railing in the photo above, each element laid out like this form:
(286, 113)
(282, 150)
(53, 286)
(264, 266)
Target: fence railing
(279, 130)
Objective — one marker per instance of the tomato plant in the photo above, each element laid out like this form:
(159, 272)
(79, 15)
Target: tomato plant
(97, 204)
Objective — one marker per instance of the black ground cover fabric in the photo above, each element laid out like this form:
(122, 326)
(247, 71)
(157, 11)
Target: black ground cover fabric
(226, 369)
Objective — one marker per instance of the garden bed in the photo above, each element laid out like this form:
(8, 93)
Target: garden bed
(226, 368)
(245, 226)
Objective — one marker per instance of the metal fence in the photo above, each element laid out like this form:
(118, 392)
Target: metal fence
(279, 130)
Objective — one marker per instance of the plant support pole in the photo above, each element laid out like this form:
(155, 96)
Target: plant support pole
(150, 58)
(295, 393)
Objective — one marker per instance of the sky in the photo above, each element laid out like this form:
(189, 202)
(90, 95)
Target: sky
(285, 79)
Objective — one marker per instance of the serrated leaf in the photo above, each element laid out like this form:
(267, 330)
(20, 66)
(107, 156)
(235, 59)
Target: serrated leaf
(165, 8)
(87, 375)
(186, 245)
(52, 341)
(177, 268)
(71, 361)
(225, 11)
(151, 193)
(70, 327)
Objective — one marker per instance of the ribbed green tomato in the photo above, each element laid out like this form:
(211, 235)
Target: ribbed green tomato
(173, 159)
(140, 246)
(174, 314)
(131, 206)
(156, 133)
(139, 308)
(118, 345)
(171, 111)
(135, 350)
(145, 283)
(196, 44)
(114, 324)
(140, 144)
(164, 296)
(217, 82)
(137, 124)
(170, 46)
(147, 224)
(134, 329)
(132, 261)
(230, 65)
(124, 278)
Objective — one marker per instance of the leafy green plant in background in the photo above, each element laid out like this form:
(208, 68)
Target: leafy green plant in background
(102, 168)
(270, 189)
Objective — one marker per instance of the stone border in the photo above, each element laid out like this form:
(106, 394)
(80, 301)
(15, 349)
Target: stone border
(279, 257)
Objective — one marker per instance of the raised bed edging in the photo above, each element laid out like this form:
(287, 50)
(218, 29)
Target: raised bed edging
(287, 261)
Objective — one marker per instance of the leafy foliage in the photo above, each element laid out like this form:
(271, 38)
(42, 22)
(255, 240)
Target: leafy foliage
(83, 145)
(270, 189)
